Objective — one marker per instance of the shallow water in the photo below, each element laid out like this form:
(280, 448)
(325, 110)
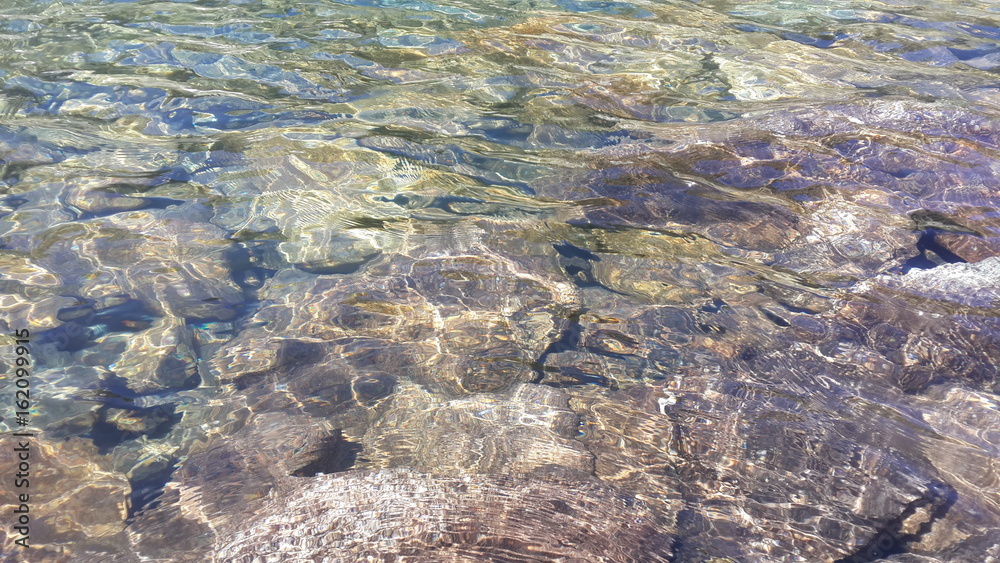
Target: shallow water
(424, 281)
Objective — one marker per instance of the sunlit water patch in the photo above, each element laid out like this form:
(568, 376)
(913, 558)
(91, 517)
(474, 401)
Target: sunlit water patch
(411, 280)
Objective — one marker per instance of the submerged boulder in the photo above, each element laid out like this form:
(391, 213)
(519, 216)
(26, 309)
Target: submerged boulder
(77, 503)
(461, 323)
(516, 432)
(765, 473)
(407, 516)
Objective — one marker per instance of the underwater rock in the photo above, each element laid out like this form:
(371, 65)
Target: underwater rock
(970, 285)
(543, 505)
(525, 428)
(326, 202)
(66, 399)
(914, 343)
(333, 252)
(825, 187)
(971, 422)
(617, 342)
(131, 423)
(78, 503)
(927, 325)
(96, 196)
(327, 231)
(463, 323)
(683, 219)
(166, 258)
(968, 247)
(826, 238)
(663, 267)
(300, 375)
(29, 293)
(647, 195)
(406, 515)
(807, 488)
(176, 267)
(159, 358)
(845, 238)
(229, 474)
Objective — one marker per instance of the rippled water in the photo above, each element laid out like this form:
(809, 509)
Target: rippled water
(519, 281)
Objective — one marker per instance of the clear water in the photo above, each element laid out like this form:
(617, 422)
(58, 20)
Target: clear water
(514, 281)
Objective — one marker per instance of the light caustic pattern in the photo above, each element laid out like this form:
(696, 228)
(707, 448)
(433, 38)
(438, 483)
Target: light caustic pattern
(448, 280)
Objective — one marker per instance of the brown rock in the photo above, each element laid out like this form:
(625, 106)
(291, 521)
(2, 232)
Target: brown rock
(399, 515)
(968, 247)
(77, 504)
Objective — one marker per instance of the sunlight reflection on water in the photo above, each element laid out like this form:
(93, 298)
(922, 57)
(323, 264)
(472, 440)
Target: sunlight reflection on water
(721, 274)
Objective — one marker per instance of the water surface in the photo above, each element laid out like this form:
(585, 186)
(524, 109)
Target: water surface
(675, 281)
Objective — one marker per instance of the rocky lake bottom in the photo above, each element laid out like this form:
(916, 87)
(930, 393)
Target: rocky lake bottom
(559, 280)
